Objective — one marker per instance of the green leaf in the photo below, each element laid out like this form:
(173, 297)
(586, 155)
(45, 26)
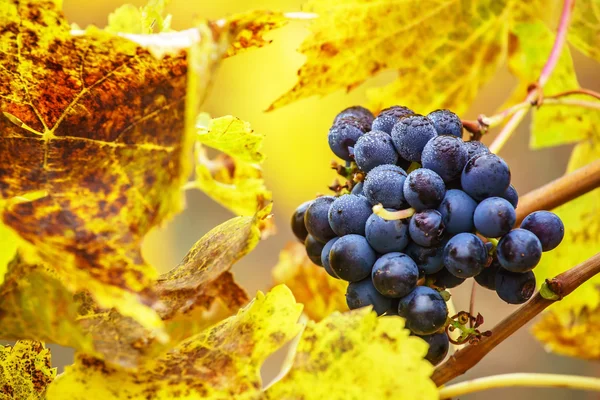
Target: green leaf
(354, 356)
(584, 30)
(222, 362)
(25, 370)
(143, 20)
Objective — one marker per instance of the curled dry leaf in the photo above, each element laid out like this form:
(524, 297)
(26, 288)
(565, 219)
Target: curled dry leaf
(311, 285)
(221, 362)
(25, 370)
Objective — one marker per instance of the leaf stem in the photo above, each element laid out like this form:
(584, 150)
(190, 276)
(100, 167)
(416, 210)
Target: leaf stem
(535, 93)
(472, 301)
(562, 285)
(560, 191)
(522, 380)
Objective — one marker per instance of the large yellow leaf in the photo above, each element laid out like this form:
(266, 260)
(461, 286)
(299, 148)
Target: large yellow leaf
(354, 356)
(443, 50)
(584, 31)
(222, 362)
(93, 123)
(551, 124)
(311, 285)
(25, 371)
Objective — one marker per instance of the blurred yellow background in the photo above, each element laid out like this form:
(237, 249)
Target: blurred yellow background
(297, 168)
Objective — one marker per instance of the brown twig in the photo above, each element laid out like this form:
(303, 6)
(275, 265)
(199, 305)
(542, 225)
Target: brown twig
(587, 92)
(560, 191)
(461, 361)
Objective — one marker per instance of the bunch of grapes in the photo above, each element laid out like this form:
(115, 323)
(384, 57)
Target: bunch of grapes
(450, 218)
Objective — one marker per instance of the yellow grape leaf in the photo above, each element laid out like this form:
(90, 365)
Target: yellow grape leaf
(95, 124)
(551, 124)
(311, 285)
(584, 30)
(443, 50)
(222, 362)
(232, 136)
(35, 305)
(8, 248)
(237, 185)
(143, 20)
(354, 356)
(571, 334)
(25, 370)
(248, 29)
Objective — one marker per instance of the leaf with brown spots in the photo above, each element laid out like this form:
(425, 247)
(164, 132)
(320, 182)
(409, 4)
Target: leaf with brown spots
(444, 51)
(249, 28)
(25, 370)
(356, 355)
(94, 125)
(222, 362)
(198, 293)
(584, 30)
(571, 334)
(233, 178)
(311, 285)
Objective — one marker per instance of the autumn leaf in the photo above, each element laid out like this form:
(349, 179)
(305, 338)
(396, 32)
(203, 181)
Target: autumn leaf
(221, 362)
(356, 355)
(320, 294)
(94, 124)
(574, 334)
(25, 370)
(8, 248)
(233, 178)
(199, 292)
(584, 30)
(443, 50)
(249, 29)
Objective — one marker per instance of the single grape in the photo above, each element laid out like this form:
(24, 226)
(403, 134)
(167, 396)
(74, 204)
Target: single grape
(475, 147)
(316, 219)
(487, 277)
(494, 217)
(424, 309)
(351, 258)
(356, 112)
(389, 117)
(314, 249)
(426, 228)
(485, 175)
(344, 134)
(325, 257)
(438, 347)
(384, 185)
(429, 260)
(386, 236)
(446, 156)
(444, 279)
(424, 189)
(348, 214)
(515, 287)
(457, 211)
(519, 250)
(410, 135)
(465, 255)
(511, 195)
(373, 149)
(363, 293)
(358, 189)
(395, 276)
(446, 122)
(298, 226)
(547, 226)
